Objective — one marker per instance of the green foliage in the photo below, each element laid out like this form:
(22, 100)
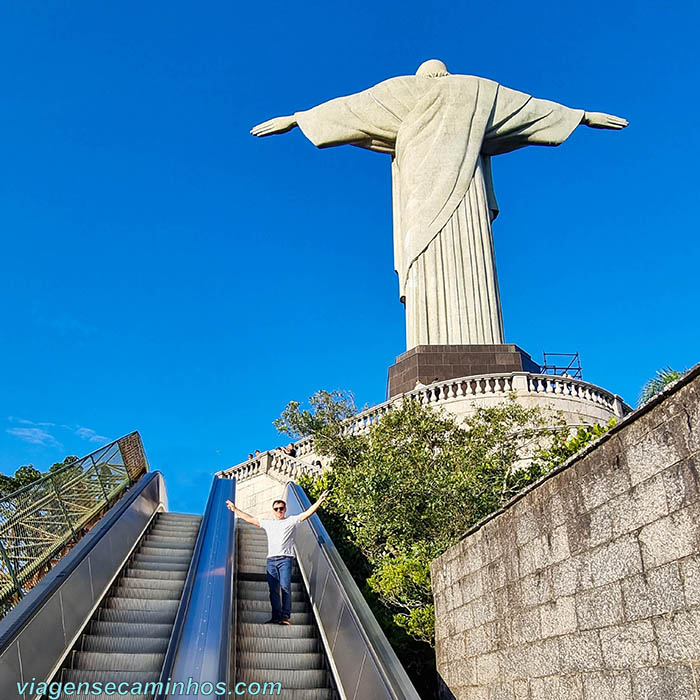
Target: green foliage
(328, 410)
(564, 446)
(657, 384)
(24, 476)
(28, 474)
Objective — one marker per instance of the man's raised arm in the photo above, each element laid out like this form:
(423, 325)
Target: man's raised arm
(312, 509)
(248, 518)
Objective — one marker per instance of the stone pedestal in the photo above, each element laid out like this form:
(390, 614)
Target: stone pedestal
(432, 363)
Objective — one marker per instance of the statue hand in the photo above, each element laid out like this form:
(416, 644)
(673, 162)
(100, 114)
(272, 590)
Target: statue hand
(600, 120)
(278, 125)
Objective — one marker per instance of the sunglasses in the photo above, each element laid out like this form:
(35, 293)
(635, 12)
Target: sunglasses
(280, 508)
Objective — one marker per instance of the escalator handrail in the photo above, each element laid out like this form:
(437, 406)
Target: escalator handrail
(197, 575)
(393, 674)
(19, 617)
(176, 632)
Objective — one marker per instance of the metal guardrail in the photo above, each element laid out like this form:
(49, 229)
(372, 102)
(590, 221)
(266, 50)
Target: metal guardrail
(38, 521)
(364, 663)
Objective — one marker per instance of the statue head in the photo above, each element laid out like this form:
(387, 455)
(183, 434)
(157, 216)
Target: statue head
(432, 68)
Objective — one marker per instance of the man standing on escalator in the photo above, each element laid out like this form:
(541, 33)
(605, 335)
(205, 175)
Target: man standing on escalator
(280, 553)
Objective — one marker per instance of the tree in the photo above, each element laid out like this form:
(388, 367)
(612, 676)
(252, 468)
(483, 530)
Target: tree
(657, 384)
(25, 475)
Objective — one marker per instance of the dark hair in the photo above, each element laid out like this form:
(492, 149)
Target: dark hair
(279, 500)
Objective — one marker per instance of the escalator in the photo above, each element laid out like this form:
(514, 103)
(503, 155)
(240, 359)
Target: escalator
(150, 596)
(291, 655)
(127, 638)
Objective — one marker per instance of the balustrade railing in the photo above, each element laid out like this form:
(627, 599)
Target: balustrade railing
(275, 462)
(39, 521)
(488, 385)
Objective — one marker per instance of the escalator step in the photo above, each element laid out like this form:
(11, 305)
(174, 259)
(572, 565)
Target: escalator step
(130, 629)
(261, 616)
(288, 679)
(245, 587)
(287, 662)
(169, 542)
(144, 562)
(91, 676)
(162, 584)
(122, 591)
(246, 604)
(87, 660)
(175, 553)
(153, 559)
(278, 645)
(161, 574)
(185, 534)
(249, 630)
(124, 645)
(264, 594)
(121, 603)
(140, 616)
(174, 541)
(309, 694)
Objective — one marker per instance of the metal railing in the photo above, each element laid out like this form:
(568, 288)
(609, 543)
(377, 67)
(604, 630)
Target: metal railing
(39, 523)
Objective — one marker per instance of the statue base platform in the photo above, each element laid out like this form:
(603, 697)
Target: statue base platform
(433, 363)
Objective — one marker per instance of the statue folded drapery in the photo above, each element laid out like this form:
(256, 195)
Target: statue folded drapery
(441, 131)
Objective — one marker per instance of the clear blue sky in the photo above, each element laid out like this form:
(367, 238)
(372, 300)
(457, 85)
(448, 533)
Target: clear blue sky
(165, 271)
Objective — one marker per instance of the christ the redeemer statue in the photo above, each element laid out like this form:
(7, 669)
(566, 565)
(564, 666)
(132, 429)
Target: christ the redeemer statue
(441, 131)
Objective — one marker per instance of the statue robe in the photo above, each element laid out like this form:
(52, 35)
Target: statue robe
(441, 133)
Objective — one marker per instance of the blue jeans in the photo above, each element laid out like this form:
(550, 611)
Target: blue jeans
(279, 577)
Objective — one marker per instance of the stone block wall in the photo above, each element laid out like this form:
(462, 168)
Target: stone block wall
(588, 586)
(255, 495)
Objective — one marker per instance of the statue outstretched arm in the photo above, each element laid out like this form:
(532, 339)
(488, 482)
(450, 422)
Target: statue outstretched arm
(600, 120)
(278, 125)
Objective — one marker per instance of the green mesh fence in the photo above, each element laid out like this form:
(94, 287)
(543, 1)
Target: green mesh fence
(41, 520)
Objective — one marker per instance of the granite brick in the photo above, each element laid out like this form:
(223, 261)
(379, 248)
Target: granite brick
(599, 607)
(589, 530)
(642, 505)
(655, 592)
(488, 668)
(611, 562)
(569, 687)
(580, 651)
(673, 537)
(682, 483)
(663, 683)
(651, 454)
(690, 573)
(679, 635)
(629, 646)
(526, 626)
(541, 659)
(607, 685)
(558, 617)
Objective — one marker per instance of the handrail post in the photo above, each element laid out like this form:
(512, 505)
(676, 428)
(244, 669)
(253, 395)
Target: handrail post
(13, 575)
(63, 508)
(99, 480)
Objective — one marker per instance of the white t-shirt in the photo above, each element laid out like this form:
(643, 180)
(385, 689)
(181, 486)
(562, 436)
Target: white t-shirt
(280, 535)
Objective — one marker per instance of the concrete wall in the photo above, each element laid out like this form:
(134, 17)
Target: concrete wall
(588, 586)
(255, 495)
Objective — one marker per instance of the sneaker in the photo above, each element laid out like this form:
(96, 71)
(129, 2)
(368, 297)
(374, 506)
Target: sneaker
(272, 621)
(283, 622)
